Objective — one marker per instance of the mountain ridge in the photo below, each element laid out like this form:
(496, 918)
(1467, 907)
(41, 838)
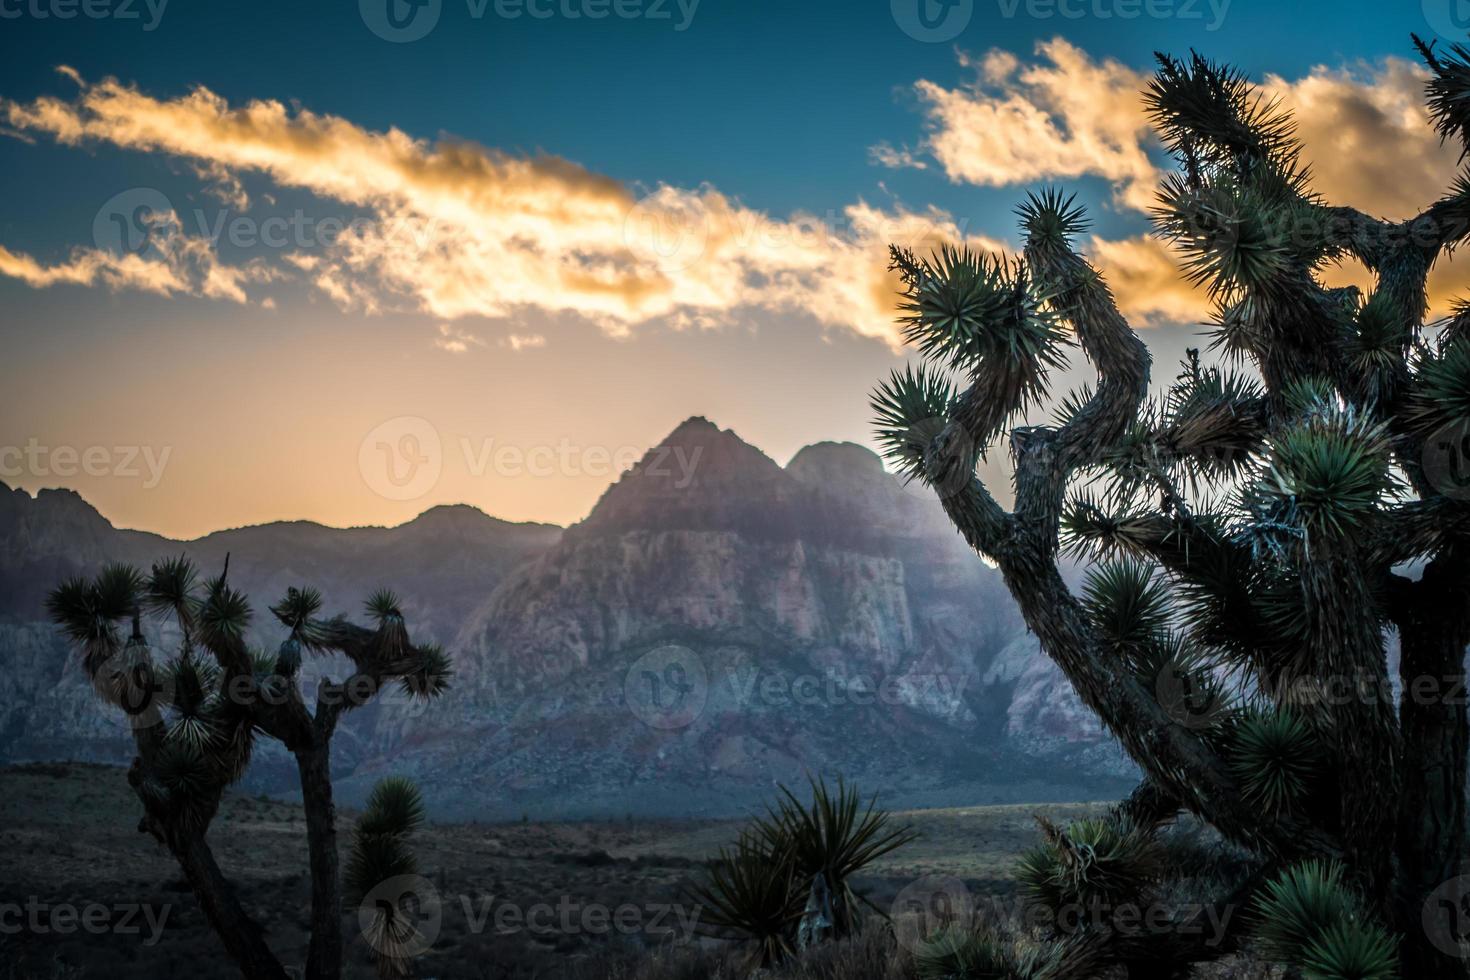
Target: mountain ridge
(825, 570)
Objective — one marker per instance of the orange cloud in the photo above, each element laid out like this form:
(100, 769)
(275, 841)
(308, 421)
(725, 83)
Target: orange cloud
(459, 230)
(1062, 116)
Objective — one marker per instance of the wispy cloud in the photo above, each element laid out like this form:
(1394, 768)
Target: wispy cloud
(455, 340)
(458, 230)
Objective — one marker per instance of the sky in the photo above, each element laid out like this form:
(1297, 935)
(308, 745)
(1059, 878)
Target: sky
(344, 261)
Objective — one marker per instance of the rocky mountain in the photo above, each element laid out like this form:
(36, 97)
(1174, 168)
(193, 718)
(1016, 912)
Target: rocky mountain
(718, 624)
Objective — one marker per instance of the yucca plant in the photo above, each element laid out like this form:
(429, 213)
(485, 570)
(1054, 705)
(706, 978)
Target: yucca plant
(751, 894)
(380, 854)
(834, 836)
(759, 891)
(1308, 917)
(1092, 868)
(1264, 525)
(964, 953)
(195, 718)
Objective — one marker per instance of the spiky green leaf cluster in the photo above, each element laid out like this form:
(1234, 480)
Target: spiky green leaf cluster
(1449, 91)
(970, 310)
(1052, 219)
(1440, 398)
(1308, 917)
(1351, 951)
(1329, 473)
(380, 854)
(1102, 863)
(964, 953)
(910, 409)
(428, 677)
(835, 836)
(1128, 603)
(758, 890)
(394, 808)
(750, 892)
(1276, 757)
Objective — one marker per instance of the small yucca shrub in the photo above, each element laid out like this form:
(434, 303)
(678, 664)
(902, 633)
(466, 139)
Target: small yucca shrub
(1308, 917)
(833, 836)
(1351, 951)
(960, 953)
(749, 895)
(758, 891)
(380, 855)
(1094, 866)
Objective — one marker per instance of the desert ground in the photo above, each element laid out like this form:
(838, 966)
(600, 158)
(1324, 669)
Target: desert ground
(85, 894)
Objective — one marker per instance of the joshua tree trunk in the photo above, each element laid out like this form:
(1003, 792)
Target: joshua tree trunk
(324, 956)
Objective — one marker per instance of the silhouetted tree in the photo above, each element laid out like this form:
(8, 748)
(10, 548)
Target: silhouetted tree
(1259, 533)
(195, 718)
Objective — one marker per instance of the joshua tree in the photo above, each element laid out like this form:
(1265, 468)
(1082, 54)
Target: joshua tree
(1262, 530)
(195, 718)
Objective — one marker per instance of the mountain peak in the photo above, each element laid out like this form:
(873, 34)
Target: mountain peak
(823, 460)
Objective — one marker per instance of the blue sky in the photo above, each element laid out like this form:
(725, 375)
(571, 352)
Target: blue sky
(776, 107)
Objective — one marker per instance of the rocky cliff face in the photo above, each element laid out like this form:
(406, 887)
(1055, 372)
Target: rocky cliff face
(717, 624)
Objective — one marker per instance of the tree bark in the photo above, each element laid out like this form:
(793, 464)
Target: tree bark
(324, 955)
(242, 935)
(1432, 714)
